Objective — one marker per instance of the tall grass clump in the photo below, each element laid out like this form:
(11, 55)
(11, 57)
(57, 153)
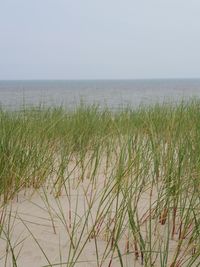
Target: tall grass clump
(131, 179)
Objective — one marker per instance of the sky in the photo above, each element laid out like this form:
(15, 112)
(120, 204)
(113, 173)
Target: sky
(99, 39)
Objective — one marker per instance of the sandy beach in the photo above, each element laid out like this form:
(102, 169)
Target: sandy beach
(119, 190)
(38, 226)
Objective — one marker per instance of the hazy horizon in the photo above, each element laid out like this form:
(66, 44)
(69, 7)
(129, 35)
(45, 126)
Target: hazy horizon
(99, 40)
(100, 79)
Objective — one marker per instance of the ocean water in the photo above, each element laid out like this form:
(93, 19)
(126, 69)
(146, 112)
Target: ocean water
(110, 93)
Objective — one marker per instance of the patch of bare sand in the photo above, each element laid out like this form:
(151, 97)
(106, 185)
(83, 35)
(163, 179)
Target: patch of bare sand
(40, 229)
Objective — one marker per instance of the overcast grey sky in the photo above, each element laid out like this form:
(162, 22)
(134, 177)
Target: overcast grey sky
(97, 39)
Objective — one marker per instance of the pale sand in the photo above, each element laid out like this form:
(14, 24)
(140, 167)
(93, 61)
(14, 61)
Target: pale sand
(36, 216)
(30, 209)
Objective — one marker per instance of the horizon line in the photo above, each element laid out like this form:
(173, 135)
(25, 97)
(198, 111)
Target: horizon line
(101, 79)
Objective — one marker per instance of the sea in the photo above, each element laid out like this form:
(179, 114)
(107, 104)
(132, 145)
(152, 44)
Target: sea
(113, 94)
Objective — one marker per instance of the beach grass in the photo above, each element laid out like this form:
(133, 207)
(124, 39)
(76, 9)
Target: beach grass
(130, 178)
